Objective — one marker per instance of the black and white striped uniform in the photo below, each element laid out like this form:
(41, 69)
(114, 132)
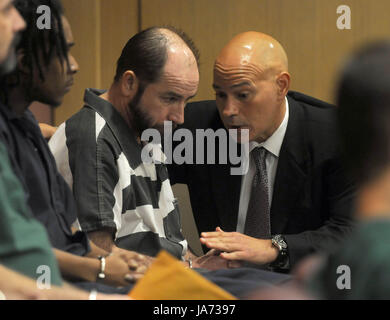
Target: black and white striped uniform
(100, 159)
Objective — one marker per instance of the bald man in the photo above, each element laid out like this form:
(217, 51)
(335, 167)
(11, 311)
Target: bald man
(295, 199)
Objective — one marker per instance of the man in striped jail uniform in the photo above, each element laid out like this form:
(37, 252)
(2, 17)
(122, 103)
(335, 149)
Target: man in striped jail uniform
(122, 200)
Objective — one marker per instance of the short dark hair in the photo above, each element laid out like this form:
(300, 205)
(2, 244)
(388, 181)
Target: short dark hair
(47, 41)
(363, 98)
(146, 53)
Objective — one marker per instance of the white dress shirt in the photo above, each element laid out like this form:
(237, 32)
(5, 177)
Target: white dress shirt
(272, 145)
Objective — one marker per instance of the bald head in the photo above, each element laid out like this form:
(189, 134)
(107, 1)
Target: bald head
(251, 81)
(254, 48)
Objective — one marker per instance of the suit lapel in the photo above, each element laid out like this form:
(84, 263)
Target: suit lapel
(292, 169)
(226, 189)
(290, 177)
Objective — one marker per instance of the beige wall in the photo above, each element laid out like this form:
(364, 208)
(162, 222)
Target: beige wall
(306, 28)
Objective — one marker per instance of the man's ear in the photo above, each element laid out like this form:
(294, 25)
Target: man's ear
(283, 84)
(129, 84)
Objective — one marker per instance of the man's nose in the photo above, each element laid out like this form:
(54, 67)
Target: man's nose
(177, 115)
(18, 22)
(229, 108)
(74, 66)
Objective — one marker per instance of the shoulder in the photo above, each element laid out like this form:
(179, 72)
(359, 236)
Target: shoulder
(312, 109)
(318, 118)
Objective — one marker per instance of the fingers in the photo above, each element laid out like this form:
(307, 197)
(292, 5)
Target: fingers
(133, 265)
(215, 234)
(233, 256)
(213, 252)
(218, 246)
(137, 267)
(222, 244)
(233, 264)
(142, 269)
(133, 277)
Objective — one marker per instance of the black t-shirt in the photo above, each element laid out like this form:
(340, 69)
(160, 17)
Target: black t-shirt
(48, 195)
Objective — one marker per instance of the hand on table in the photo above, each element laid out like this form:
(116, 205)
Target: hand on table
(136, 261)
(235, 246)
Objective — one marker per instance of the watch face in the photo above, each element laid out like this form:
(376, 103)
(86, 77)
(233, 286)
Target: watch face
(279, 242)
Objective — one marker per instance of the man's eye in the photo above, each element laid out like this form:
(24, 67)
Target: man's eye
(170, 100)
(243, 95)
(220, 95)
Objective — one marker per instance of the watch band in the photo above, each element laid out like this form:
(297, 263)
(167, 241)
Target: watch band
(189, 260)
(282, 261)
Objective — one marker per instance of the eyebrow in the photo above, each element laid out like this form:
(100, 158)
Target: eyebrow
(244, 83)
(176, 95)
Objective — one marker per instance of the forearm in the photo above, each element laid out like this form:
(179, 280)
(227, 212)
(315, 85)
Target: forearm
(190, 255)
(96, 251)
(102, 240)
(324, 239)
(83, 268)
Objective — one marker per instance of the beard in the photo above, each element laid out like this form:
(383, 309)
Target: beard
(10, 62)
(141, 120)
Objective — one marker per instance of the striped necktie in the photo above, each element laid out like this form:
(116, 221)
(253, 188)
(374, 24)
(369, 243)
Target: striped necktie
(257, 223)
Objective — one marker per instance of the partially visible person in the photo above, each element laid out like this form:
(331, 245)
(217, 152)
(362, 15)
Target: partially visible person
(360, 268)
(45, 73)
(19, 287)
(11, 23)
(23, 241)
(24, 245)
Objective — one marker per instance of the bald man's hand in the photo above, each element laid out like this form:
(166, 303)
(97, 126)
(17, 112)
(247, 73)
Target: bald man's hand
(236, 246)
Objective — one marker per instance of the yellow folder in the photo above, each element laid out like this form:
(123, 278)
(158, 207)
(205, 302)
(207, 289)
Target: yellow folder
(168, 279)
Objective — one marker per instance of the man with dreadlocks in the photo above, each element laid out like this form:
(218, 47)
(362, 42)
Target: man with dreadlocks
(45, 73)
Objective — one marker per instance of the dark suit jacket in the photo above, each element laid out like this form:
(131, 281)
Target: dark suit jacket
(312, 198)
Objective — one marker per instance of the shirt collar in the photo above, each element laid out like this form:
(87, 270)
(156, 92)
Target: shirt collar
(274, 143)
(125, 136)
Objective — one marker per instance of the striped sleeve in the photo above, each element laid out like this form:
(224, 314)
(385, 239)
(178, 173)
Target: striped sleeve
(87, 155)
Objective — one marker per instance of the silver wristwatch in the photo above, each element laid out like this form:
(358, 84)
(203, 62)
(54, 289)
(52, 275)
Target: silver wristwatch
(281, 244)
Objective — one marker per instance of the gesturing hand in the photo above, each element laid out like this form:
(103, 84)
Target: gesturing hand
(239, 247)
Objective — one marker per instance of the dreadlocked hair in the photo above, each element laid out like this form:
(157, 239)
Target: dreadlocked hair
(36, 42)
